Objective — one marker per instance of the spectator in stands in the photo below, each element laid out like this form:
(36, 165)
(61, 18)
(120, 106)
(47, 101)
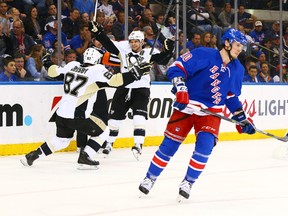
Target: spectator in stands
(205, 40)
(264, 75)
(14, 14)
(267, 49)
(107, 9)
(213, 16)
(260, 58)
(140, 7)
(172, 24)
(71, 24)
(118, 5)
(81, 41)
(34, 65)
(213, 41)
(100, 18)
(4, 18)
(201, 19)
(225, 16)
(250, 40)
(21, 73)
(276, 50)
(51, 35)
(181, 43)
(8, 75)
(258, 34)
(274, 31)
(244, 18)
(147, 13)
(194, 42)
(21, 42)
(53, 60)
(84, 17)
(150, 38)
(5, 44)
(87, 6)
(118, 27)
(164, 29)
(249, 61)
(29, 3)
(276, 77)
(70, 55)
(251, 76)
(32, 25)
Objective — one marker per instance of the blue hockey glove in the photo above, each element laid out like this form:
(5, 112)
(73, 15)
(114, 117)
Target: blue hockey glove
(182, 96)
(248, 123)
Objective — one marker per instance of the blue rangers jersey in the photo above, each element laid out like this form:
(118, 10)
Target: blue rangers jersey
(210, 83)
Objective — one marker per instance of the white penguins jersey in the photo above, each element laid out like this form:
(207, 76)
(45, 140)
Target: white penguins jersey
(80, 85)
(130, 58)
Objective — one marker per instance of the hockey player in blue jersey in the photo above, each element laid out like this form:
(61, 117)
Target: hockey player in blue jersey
(210, 79)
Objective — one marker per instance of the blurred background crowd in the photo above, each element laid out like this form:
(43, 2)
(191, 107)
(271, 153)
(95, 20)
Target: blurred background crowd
(29, 29)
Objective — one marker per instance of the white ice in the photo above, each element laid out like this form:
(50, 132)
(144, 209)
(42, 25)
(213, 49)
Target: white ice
(242, 178)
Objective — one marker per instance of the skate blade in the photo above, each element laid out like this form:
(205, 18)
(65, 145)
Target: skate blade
(87, 167)
(180, 198)
(141, 195)
(136, 154)
(24, 162)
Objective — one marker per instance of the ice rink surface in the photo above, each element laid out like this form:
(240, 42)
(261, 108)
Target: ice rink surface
(242, 178)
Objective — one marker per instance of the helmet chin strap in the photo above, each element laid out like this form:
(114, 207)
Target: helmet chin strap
(229, 52)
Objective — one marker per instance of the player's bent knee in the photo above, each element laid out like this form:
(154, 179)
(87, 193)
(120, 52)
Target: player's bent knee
(205, 143)
(58, 143)
(169, 147)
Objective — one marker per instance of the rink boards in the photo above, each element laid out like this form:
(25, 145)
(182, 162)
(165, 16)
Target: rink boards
(26, 109)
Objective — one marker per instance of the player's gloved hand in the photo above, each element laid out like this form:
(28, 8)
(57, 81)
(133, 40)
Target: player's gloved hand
(168, 45)
(248, 126)
(140, 70)
(94, 27)
(182, 96)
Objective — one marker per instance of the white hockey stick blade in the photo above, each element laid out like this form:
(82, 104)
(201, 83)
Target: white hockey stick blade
(87, 167)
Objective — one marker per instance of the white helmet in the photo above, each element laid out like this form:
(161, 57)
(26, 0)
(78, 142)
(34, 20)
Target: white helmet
(136, 35)
(92, 56)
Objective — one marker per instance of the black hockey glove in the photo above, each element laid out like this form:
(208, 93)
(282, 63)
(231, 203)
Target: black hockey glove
(95, 28)
(141, 70)
(168, 45)
(247, 127)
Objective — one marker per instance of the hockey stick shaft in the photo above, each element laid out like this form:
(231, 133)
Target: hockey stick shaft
(161, 26)
(95, 11)
(283, 139)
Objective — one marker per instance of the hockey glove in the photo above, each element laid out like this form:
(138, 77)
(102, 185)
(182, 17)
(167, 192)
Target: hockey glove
(248, 126)
(95, 28)
(168, 45)
(182, 96)
(141, 70)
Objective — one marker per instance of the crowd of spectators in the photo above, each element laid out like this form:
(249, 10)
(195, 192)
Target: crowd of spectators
(28, 33)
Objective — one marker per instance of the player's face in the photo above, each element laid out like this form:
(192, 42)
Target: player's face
(135, 45)
(236, 49)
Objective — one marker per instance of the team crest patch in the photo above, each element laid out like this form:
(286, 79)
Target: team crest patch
(177, 129)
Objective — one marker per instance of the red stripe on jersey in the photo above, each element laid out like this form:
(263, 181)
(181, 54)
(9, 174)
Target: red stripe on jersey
(174, 137)
(159, 162)
(182, 68)
(196, 164)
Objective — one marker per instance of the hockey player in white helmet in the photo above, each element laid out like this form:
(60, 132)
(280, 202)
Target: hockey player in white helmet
(81, 82)
(136, 94)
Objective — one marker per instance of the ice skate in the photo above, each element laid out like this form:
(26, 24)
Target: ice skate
(137, 150)
(146, 185)
(30, 157)
(184, 190)
(86, 163)
(107, 149)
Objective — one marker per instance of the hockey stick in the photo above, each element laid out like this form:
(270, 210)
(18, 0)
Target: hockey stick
(95, 11)
(161, 26)
(283, 139)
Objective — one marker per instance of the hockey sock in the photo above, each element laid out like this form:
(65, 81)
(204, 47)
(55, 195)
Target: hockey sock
(162, 157)
(44, 148)
(204, 145)
(92, 147)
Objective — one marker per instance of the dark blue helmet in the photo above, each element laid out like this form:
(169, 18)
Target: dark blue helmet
(232, 35)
